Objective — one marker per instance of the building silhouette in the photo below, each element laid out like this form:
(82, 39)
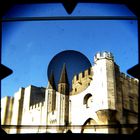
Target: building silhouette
(102, 100)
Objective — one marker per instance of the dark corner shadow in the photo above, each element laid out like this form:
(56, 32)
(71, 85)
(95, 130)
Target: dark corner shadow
(65, 136)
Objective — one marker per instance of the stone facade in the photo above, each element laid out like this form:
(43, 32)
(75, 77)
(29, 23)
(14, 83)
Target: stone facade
(102, 100)
(6, 111)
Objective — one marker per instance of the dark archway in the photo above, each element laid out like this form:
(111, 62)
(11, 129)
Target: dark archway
(88, 122)
(69, 132)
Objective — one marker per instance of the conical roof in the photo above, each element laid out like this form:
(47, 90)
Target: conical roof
(51, 81)
(64, 77)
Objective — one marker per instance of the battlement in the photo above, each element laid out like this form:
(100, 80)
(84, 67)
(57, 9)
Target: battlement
(82, 75)
(130, 79)
(81, 81)
(37, 106)
(103, 55)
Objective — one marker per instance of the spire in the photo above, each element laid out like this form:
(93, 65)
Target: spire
(51, 81)
(64, 77)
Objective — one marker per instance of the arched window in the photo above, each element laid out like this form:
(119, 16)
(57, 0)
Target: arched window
(87, 100)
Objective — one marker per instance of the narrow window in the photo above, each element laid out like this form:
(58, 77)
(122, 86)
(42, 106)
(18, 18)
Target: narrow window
(83, 74)
(89, 71)
(77, 77)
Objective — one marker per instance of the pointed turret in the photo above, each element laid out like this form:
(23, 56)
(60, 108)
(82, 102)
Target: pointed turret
(63, 77)
(63, 85)
(51, 82)
(63, 89)
(51, 94)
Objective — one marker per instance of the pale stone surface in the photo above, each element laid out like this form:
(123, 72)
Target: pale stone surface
(101, 95)
(6, 111)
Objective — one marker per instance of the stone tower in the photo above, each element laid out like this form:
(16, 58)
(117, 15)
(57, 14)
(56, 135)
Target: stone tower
(50, 99)
(51, 94)
(17, 111)
(63, 89)
(104, 77)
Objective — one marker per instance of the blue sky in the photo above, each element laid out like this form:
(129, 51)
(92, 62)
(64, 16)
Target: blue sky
(28, 47)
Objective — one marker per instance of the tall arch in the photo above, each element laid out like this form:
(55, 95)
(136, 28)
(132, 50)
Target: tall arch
(86, 129)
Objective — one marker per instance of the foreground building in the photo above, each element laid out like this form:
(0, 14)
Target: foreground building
(102, 100)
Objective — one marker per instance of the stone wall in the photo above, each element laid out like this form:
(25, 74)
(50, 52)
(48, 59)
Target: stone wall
(6, 111)
(81, 81)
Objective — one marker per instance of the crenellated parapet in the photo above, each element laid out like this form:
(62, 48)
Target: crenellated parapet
(37, 106)
(82, 80)
(128, 78)
(103, 55)
(82, 75)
